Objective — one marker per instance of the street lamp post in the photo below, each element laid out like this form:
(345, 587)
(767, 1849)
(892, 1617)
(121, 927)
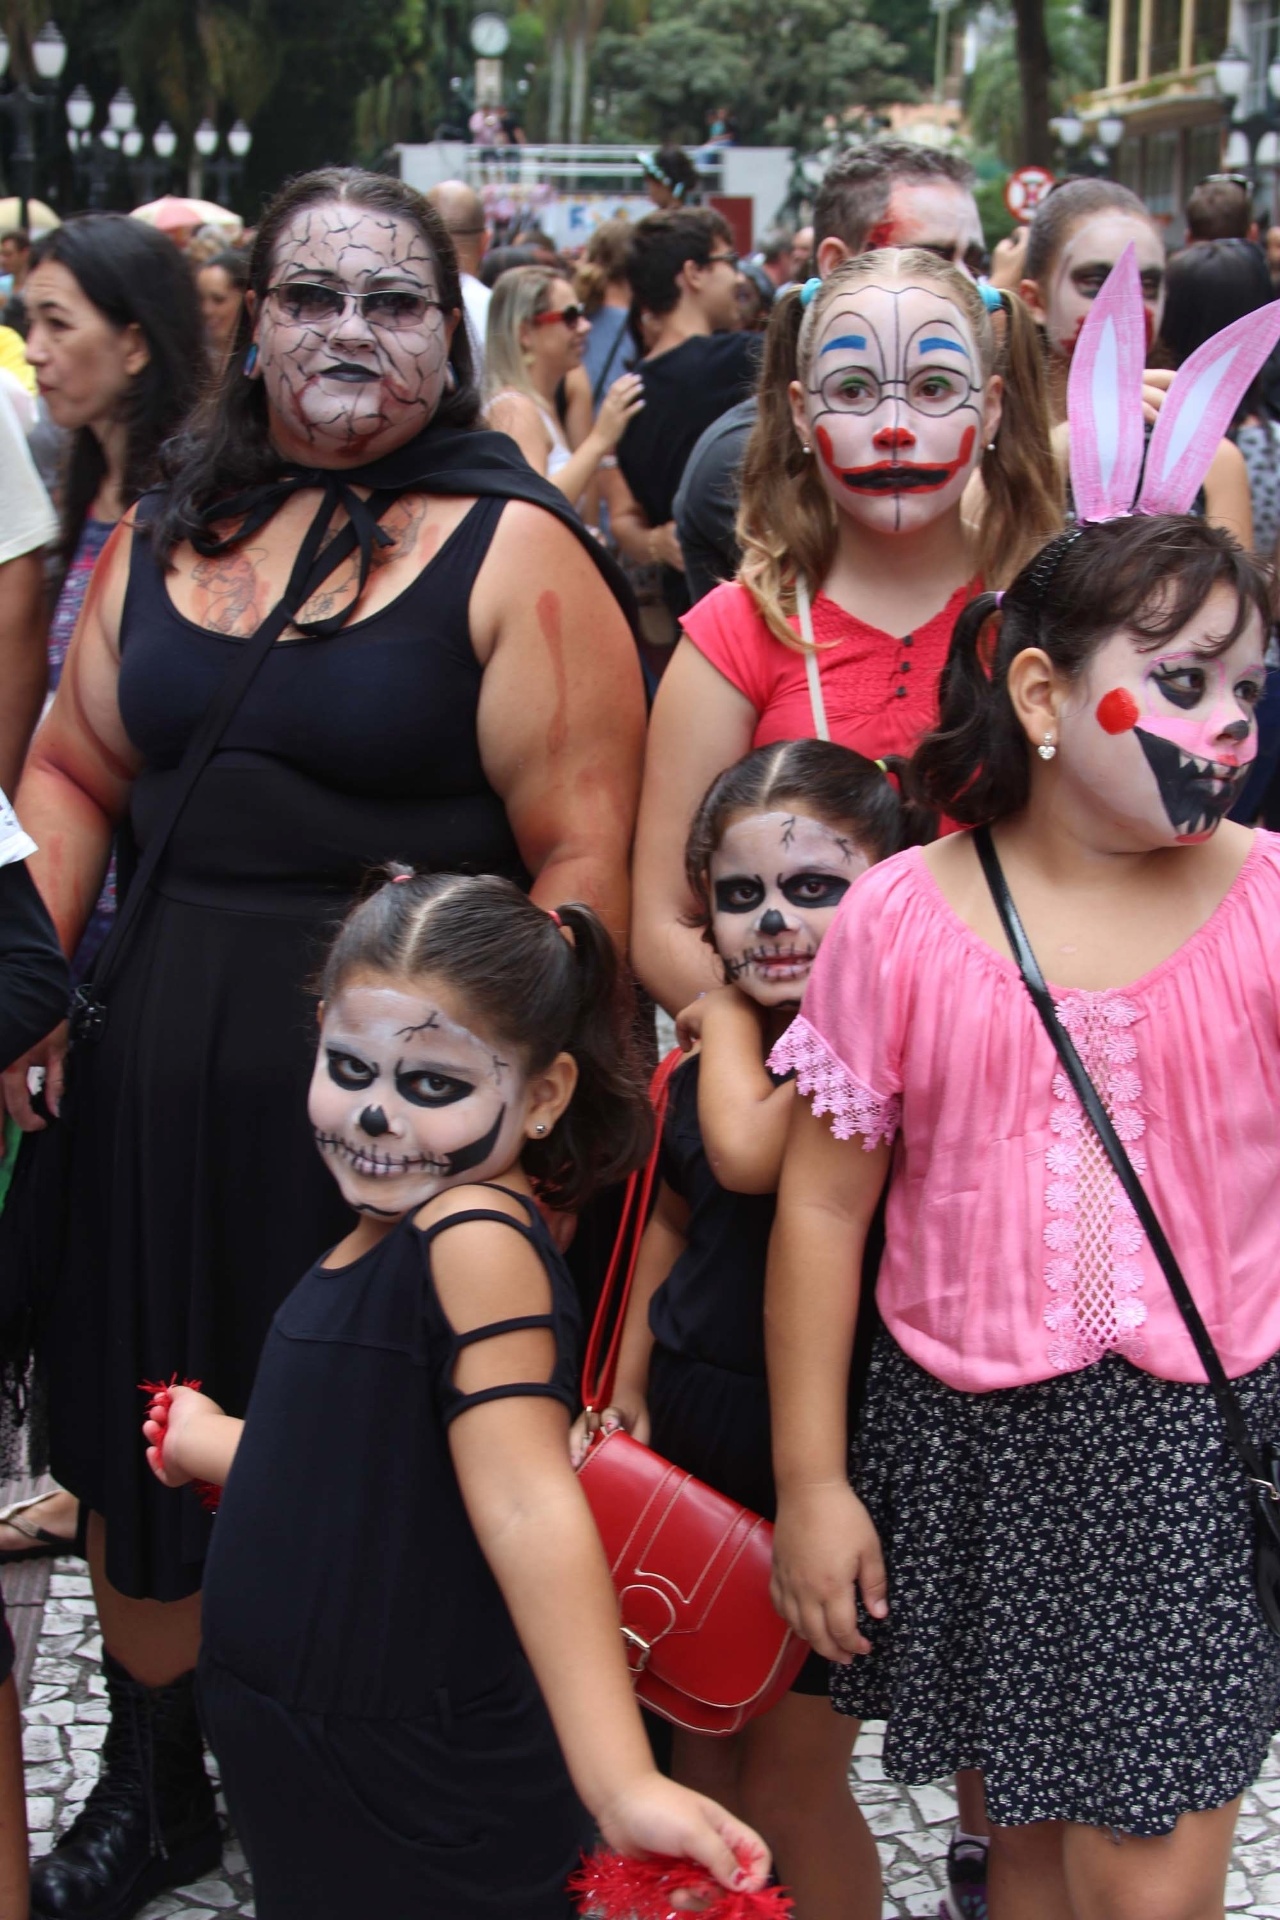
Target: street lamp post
(98, 155)
(149, 172)
(228, 167)
(23, 106)
(1254, 139)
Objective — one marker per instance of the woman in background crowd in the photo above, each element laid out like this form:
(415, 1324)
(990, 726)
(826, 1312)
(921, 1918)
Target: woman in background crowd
(535, 339)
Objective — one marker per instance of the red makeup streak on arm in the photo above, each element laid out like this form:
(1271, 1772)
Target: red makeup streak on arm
(548, 610)
(568, 772)
(1117, 711)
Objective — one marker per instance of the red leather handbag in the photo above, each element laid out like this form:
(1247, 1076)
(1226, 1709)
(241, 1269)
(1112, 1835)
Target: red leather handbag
(690, 1567)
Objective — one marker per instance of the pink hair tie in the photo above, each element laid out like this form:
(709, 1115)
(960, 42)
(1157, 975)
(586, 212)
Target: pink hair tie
(999, 598)
(399, 879)
(554, 917)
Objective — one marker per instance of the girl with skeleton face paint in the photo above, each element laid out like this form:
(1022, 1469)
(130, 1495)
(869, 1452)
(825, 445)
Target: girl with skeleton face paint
(416, 1387)
(1096, 721)
(780, 841)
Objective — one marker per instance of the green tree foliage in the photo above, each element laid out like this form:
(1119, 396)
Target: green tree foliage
(780, 66)
(1076, 48)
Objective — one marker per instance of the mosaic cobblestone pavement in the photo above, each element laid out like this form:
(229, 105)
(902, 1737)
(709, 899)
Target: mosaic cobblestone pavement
(65, 1718)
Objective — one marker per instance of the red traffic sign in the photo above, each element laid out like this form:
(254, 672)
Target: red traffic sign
(1025, 189)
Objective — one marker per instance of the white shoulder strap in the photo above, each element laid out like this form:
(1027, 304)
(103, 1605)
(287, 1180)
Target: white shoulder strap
(821, 731)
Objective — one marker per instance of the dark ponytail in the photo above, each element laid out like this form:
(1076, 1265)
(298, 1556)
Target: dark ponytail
(607, 1128)
(543, 984)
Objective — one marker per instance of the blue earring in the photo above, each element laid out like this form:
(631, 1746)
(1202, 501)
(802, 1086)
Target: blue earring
(251, 361)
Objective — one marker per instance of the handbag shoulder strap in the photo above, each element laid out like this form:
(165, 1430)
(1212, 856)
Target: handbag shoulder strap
(601, 1363)
(311, 568)
(1087, 1093)
(817, 707)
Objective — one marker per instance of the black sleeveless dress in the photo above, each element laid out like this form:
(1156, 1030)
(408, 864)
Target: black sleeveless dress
(197, 1195)
(384, 1747)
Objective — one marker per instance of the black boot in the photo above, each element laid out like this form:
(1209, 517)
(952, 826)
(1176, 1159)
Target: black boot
(150, 1821)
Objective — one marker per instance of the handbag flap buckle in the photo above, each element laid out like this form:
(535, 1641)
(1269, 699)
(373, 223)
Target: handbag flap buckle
(638, 1649)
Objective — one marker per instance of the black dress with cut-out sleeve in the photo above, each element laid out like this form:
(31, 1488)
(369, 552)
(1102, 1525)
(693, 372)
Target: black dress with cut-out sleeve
(196, 1193)
(383, 1744)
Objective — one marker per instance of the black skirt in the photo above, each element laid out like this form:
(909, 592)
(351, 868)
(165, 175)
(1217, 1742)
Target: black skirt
(1070, 1592)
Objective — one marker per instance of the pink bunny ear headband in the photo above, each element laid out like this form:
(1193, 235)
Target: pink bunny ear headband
(1104, 410)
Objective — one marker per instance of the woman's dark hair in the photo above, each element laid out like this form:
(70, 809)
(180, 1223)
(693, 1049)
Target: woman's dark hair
(234, 264)
(674, 166)
(1063, 209)
(660, 245)
(227, 446)
(134, 276)
(500, 260)
(1207, 286)
(531, 988)
(872, 802)
(1150, 574)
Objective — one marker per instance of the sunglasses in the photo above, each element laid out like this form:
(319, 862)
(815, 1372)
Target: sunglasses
(305, 303)
(1240, 180)
(570, 315)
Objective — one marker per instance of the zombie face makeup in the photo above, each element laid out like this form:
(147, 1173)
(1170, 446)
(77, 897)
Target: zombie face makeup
(348, 383)
(405, 1102)
(776, 880)
(895, 403)
(1077, 275)
(1164, 739)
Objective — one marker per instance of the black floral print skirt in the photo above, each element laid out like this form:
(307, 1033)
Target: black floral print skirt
(1070, 1592)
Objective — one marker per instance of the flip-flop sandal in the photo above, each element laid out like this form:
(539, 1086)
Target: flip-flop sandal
(45, 1545)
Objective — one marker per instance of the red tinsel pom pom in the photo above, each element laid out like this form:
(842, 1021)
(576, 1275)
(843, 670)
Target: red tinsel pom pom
(210, 1497)
(611, 1886)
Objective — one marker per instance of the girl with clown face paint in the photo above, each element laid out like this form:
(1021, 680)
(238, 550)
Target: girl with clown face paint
(1042, 1505)
(776, 845)
(900, 460)
(415, 1389)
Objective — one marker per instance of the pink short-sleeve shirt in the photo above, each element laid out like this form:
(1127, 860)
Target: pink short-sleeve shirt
(880, 691)
(1011, 1252)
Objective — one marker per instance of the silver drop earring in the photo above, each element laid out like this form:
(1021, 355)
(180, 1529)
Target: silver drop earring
(1046, 749)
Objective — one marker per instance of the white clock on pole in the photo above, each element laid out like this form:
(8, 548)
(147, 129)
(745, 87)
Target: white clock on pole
(490, 36)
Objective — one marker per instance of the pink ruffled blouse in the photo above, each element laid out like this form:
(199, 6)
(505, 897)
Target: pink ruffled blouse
(1012, 1254)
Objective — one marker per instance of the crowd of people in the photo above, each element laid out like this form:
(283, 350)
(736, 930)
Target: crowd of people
(440, 665)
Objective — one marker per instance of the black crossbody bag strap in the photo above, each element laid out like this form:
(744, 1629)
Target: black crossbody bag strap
(1073, 1066)
(311, 568)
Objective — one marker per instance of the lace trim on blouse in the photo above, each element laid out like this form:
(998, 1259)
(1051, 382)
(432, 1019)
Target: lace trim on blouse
(1093, 1273)
(820, 1075)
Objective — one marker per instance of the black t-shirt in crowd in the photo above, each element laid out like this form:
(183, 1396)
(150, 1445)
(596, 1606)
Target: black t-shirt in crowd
(711, 1306)
(684, 391)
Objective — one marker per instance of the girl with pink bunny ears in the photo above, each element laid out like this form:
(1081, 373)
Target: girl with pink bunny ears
(1038, 1563)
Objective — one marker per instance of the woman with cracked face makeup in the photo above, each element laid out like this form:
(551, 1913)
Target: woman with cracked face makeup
(776, 845)
(890, 396)
(1034, 1398)
(416, 1388)
(443, 672)
(1077, 235)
